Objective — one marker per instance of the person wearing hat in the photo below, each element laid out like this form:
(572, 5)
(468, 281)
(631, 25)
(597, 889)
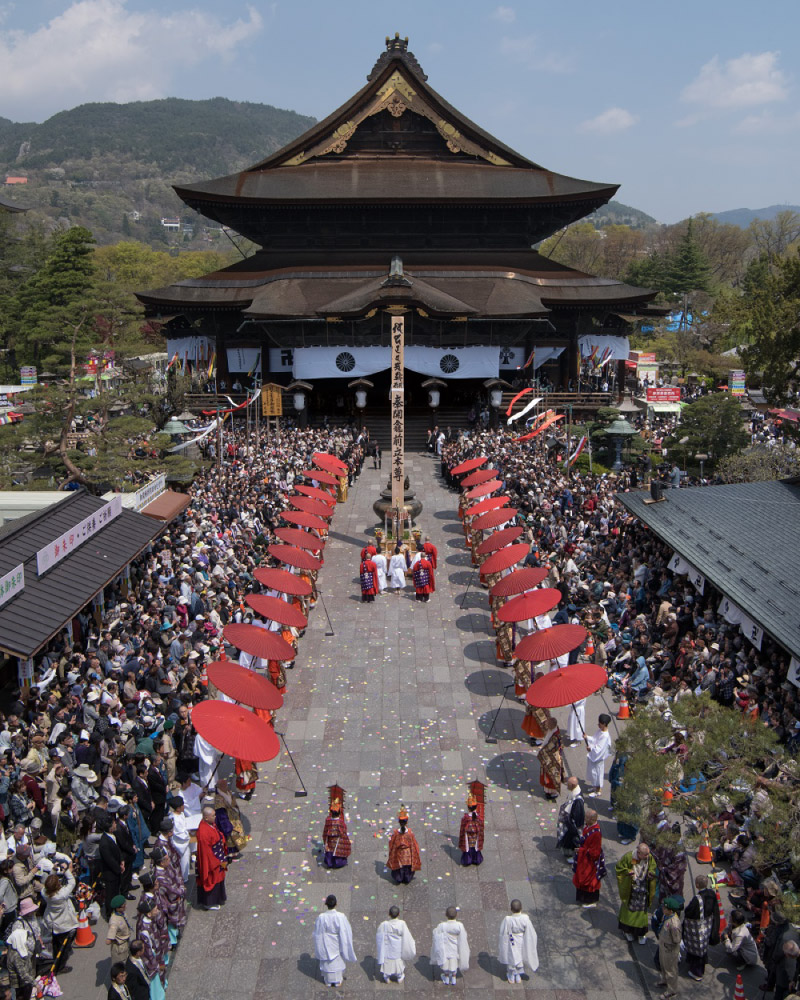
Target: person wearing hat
(119, 933)
(333, 943)
(83, 791)
(20, 962)
(404, 859)
(170, 892)
(669, 945)
(470, 838)
(335, 840)
(155, 946)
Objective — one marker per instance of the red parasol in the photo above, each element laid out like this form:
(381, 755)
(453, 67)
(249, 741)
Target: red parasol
(484, 506)
(246, 686)
(506, 557)
(300, 539)
(519, 581)
(315, 507)
(499, 539)
(550, 642)
(494, 519)
(317, 494)
(478, 477)
(564, 686)
(483, 490)
(283, 581)
(321, 477)
(276, 610)
(330, 463)
(468, 466)
(235, 731)
(295, 557)
(258, 642)
(529, 606)
(304, 520)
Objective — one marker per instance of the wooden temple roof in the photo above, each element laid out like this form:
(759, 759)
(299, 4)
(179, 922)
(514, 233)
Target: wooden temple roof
(348, 157)
(523, 285)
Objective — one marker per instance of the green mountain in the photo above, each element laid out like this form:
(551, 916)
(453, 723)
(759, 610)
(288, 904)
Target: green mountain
(742, 217)
(110, 167)
(617, 214)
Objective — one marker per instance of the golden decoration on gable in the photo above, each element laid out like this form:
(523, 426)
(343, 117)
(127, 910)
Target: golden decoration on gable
(397, 82)
(396, 107)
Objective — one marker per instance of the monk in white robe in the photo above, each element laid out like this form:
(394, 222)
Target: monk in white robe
(517, 947)
(450, 949)
(333, 943)
(395, 946)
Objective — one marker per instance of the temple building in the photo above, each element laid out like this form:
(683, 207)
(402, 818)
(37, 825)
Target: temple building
(396, 181)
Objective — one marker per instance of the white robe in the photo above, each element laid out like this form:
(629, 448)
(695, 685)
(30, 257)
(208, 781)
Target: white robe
(599, 750)
(450, 949)
(180, 839)
(576, 721)
(333, 945)
(395, 946)
(518, 943)
(380, 565)
(397, 571)
(192, 806)
(208, 758)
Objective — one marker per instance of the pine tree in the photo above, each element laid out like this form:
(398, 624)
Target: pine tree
(688, 269)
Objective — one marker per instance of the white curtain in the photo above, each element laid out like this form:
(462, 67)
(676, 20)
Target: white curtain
(355, 362)
(608, 348)
(192, 349)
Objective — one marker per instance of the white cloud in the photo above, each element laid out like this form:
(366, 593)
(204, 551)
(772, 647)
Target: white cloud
(748, 81)
(765, 123)
(609, 121)
(505, 14)
(527, 50)
(99, 50)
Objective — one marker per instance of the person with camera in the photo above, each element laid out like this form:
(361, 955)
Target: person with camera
(59, 915)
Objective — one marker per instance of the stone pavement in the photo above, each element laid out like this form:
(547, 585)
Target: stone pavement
(395, 707)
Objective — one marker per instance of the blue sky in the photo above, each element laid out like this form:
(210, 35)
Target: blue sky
(690, 106)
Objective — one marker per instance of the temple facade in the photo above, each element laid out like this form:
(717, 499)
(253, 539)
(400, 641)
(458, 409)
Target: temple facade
(396, 181)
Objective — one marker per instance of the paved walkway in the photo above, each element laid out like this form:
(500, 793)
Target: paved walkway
(395, 707)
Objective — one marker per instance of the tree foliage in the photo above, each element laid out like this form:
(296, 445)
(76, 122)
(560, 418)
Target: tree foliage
(759, 463)
(56, 298)
(713, 425)
(725, 752)
(768, 319)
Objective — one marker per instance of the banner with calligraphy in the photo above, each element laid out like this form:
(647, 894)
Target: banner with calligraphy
(398, 413)
(74, 537)
(12, 583)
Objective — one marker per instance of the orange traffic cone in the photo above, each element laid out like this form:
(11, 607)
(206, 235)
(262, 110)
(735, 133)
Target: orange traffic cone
(84, 937)
(590, 649)
(704, 856)
(723, 923)
(624, 709)
(738, 993)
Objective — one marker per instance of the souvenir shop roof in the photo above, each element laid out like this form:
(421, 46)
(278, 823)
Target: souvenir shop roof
(490, 284)
(745, 540)
(397, 140)
(29, 620)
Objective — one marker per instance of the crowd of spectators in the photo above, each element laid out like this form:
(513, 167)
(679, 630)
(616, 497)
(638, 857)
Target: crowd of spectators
(99, 756)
